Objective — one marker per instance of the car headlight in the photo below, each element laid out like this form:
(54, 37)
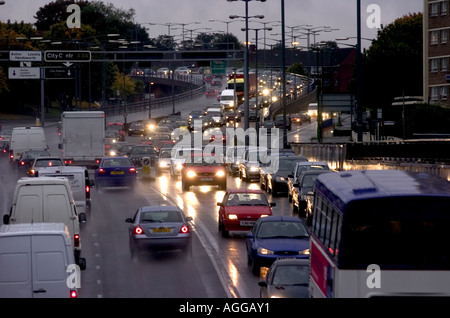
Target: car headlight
(304, 252)
(264, 251)
(232, 217)
(280, 179)
(179, 166)
(112, 153)
(162, 164)
(220, 173)
(254, 169)
(191, 174)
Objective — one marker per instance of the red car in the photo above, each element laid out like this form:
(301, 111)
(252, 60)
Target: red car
(241, 208)
(202, 169)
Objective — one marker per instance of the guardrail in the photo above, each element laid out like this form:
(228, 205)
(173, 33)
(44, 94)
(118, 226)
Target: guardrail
(153, 103)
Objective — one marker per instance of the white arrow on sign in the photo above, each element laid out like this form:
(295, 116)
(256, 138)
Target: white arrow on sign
(68, 64)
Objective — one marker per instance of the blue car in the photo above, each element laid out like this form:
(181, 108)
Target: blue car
(276, 237)
(115, 171)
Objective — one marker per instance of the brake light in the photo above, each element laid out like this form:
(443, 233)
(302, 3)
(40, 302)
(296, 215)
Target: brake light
(97, 161)
(76, 241)
(33, 172)
(68, 162)
(88, 189)
(184, 229)
(101, 171)
(138, 230)
(73, 294)
(132, 170)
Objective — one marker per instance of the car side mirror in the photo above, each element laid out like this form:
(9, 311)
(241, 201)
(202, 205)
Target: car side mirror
(249, 235)
(262, 283)
(129, 220)
(82, 263)
(290, 175)
(189, 218)
(219, 204)
(6, 219)
(82, 217)
(273, 204)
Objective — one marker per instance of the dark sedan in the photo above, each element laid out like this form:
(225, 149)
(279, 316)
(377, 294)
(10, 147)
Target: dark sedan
(115, 171)
(277, 174)
(286, 278)
(138, 152)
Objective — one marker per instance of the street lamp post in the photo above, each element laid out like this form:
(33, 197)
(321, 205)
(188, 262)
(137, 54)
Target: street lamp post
(246, 69)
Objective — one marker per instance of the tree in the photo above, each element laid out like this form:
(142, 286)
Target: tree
(392, 66)
(123, 84)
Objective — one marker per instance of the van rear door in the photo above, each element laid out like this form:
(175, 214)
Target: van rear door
(29, 208)
(15, 267)
(50, 261)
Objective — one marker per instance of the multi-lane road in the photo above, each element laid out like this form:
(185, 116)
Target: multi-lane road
(217, 267)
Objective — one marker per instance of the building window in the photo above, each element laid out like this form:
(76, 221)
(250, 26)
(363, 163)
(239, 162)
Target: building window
(444, 34)
(434, 93)
(444, 8)
(434, 38)
(443, 92)
(444, 62)
(433, 65)
(434, 9)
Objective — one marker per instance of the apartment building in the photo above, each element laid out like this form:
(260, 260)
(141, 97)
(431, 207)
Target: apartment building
(436, 51)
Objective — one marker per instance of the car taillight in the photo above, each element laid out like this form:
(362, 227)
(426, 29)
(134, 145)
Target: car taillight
(88, 189)
(33, 172)
(101, 171)
(68, 161)
(138, 230)
(22, 163)
(132, 170)
(97, 161)
(76, 241)
(73, 294)
(184, 229)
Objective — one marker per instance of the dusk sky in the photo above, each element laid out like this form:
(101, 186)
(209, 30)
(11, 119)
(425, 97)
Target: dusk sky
(337, 14)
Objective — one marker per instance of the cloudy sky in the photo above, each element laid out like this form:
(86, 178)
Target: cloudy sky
(337, 14)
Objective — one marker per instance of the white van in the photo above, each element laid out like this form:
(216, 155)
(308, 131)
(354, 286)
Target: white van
(79, 183)
(227, 99)
(26, 138)
(48, 200)
(37, 261)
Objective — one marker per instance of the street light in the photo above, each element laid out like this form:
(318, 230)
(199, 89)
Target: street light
(246, 86)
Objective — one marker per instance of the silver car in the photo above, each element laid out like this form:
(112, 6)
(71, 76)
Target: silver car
(159, 227)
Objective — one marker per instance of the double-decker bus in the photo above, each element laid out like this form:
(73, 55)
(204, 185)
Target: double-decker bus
(380, 233)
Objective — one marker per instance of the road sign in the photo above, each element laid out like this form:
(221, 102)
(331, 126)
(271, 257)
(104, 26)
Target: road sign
(218, 67)
(67, 56)
(337, 102)
(24, 73)
(25, 56)
(59, 73)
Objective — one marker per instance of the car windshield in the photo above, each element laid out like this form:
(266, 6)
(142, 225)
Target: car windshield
(116, 162)
(243, 199)
(165, 153)
(142, 150)
(161, 216)
(308, 180)
(276, 229)
(291, 275)
(302, 169)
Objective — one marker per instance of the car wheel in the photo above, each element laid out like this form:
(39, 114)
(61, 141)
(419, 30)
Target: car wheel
(185, 186)
(222, 229)
(223, 186)
(255, 267)
(294, 208)
(132, 249)
(289, 197)
(262, 185)
(274, 190)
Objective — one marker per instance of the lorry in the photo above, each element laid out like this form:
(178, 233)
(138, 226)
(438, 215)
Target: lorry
(237, 81)
(83, 137)
(26, 138)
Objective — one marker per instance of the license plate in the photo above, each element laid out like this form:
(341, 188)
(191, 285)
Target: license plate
(117, 172)
(161, 230)
(206, 179)
(247, 223)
